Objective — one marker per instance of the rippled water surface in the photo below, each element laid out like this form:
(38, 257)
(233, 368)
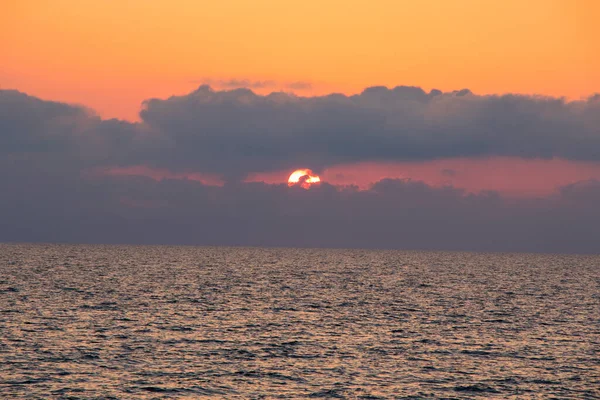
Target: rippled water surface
(187, 322)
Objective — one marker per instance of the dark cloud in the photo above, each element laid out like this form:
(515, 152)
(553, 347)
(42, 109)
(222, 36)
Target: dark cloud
(237, 131)
(47, 148)
(28, 124)
(61, 206)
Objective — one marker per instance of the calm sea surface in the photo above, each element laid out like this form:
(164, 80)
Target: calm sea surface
(187, 322)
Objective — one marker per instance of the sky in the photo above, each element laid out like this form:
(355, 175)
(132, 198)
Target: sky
(454, 125)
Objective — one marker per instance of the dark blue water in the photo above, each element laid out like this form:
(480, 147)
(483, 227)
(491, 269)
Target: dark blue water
(187, 322)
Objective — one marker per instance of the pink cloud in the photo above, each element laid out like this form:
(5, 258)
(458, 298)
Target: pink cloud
(510, 176)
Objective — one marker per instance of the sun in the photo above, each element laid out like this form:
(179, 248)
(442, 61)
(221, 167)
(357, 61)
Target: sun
(304, 178)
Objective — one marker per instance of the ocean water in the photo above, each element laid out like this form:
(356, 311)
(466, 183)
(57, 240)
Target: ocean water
(81, 322)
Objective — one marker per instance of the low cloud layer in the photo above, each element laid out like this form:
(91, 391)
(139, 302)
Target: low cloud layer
(48, 149)
(392, 214)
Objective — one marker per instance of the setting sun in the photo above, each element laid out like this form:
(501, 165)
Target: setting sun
(304, 178)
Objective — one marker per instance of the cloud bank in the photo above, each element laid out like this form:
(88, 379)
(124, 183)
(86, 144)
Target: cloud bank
(392, 214)
(237, 132)
(48, 149)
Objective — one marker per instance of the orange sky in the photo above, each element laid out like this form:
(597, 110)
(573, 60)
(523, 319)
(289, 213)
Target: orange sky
(112, 54)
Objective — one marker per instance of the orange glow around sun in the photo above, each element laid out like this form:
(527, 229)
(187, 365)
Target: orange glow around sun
(304, 178)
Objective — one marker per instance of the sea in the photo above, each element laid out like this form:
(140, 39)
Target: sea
(159, 322)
